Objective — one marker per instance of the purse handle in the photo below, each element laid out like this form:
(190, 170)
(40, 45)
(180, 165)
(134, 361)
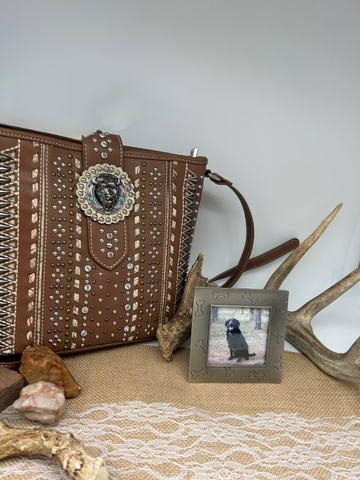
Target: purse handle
(246, 263)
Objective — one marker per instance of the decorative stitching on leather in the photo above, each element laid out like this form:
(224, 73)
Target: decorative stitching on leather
(179, 270)
(9, 258)
(85, 156)
(188, 221)
(92, 226)
(39, 139)
(94, 255)
(79, 148)
(160, 157)
(35, 205)
(136, 267)
(273, 250)
(284, 248)
(166, 255)
(121, 151)
(249, 239)
(42, 244)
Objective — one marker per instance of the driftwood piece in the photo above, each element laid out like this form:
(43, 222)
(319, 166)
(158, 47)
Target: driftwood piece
(299, 332)
(174, 333)
(63, 448)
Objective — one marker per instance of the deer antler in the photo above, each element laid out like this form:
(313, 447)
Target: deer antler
(174, 333)
(299, 332)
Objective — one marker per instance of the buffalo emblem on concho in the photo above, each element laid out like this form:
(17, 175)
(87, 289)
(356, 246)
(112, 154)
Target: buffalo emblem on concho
(105, 193)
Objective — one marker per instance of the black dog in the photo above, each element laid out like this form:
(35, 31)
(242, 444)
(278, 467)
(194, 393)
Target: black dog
(236, 342)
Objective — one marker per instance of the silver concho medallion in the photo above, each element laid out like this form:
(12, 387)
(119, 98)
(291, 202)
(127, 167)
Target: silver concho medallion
(105, 193)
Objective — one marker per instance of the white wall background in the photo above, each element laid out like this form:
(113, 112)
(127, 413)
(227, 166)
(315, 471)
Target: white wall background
(268, 89)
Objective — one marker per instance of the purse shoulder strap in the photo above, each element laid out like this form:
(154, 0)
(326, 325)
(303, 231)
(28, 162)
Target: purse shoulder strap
(246, 263)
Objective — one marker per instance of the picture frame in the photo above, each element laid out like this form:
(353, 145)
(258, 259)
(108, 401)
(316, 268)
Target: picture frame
(237, 335)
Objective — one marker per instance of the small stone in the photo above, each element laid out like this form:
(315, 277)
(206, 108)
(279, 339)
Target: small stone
(39, 363)
(11, 383)
(42, 402)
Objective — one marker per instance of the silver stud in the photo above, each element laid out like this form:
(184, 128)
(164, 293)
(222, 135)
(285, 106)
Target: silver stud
(110, 254)
(104, 155)
(103, 144)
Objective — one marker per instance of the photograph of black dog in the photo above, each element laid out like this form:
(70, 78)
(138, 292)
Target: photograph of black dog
(236, 341)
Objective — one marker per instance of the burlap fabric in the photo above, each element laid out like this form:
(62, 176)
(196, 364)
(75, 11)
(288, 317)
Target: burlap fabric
(140, 413)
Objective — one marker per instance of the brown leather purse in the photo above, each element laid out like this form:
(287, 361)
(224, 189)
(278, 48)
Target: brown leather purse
(95, 239)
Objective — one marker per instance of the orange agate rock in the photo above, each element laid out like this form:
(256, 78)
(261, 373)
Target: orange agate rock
(39, 363)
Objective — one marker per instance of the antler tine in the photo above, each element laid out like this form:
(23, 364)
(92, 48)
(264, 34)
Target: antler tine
(299, 332)
(345, 366)
(174, 333)
(286, 267)
(314, 306)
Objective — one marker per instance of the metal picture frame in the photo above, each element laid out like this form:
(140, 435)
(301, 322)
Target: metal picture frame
(237, 335)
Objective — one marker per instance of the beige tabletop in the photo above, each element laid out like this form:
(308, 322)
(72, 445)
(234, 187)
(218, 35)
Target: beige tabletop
(142, 416)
